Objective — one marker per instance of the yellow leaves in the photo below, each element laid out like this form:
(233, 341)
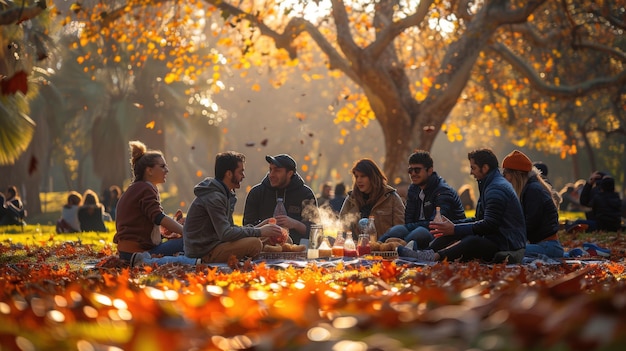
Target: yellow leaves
(84, 41)
(487, 108)
(169, 78)
(150, 125)
(256, 87)
(420, 96)
(199, 173)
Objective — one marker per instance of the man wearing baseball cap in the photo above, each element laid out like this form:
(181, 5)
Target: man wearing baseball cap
(282, 181)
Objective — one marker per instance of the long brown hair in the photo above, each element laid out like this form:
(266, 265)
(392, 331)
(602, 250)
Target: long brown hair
(141, 158)
(377, 178)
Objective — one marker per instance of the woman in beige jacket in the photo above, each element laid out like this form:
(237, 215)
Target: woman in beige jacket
(371, 196)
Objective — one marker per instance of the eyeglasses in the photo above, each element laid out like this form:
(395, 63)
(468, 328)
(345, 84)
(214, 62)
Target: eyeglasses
(414, 169)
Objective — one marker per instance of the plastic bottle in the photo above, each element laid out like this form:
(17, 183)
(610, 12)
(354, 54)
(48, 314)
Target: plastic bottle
(349, 247)
(363, 247)
(438, 218)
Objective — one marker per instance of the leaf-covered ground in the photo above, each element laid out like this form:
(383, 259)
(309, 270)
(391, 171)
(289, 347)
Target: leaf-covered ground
(58, 293)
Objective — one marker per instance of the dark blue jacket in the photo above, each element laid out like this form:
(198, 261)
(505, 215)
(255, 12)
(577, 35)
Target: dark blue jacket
(542, 217)
(499, 216)
(437, 194)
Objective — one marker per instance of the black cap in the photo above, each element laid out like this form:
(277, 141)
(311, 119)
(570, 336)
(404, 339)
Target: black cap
(282, 161)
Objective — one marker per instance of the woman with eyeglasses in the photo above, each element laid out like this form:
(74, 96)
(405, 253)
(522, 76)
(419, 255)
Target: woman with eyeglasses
(371, 196)
(140, 214)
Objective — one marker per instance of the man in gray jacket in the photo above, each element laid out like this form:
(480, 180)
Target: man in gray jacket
(209, 232)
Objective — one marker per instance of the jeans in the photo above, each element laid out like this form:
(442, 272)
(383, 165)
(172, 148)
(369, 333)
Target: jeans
(168, 249)
(550, 248)
(420, 235)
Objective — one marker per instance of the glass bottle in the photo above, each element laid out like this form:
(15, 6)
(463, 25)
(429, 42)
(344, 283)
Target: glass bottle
(371, 229)
(338, 245)
(349, 248)
(438, 218)
(324, 249)
(280, 210)
(363, 246)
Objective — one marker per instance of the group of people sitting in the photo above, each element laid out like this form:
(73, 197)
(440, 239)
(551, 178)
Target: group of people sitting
(12, 210)
(516, 212)
(82, 213)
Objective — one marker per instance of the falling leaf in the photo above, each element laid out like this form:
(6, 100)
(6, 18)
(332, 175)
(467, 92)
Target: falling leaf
(250, 144)
(138, 105)
(264, 142)
(32, 165)
(150, 125)
(18, 82)
(311, 135)
(193, 147)
(75, 7)
(429, 129)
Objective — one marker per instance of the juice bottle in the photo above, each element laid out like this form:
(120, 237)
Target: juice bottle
(349, 248)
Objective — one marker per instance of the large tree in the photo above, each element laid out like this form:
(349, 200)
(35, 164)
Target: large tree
(412, 61)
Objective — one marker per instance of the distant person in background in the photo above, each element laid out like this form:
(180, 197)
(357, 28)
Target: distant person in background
(325, 196)
(3, 208)
(606, 207)
(540, 210)
(13, 208)
(69, 222)
(91, 213)
(543, 169)
(371, 196)
(340, 197)
(140, 215)
(114, 196)
(466, 194)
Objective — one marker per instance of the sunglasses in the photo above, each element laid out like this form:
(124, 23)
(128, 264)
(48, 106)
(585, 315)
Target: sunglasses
(414, 169)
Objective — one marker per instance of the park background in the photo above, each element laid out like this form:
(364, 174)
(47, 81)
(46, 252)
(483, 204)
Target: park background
(193, 81)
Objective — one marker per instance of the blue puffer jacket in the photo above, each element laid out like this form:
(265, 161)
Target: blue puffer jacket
(437, 193)
(499, 216)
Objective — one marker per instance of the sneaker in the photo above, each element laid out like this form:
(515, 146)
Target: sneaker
(577, 252)
(595, 250)
(410, 245)
(139, 258)
(420, 255)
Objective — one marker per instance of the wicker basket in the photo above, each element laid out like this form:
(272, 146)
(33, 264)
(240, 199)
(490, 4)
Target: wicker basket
(301, 255)
(385, 254)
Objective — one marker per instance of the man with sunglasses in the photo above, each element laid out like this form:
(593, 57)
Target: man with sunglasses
(427, 192)
(497, 233)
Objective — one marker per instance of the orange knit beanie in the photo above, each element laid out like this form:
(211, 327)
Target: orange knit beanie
(517, 161)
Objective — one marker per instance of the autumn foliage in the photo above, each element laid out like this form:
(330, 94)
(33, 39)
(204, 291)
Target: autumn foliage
(52, 304)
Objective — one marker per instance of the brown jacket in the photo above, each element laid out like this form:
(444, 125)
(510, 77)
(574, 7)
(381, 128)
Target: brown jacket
(138, 211)
(387, 211)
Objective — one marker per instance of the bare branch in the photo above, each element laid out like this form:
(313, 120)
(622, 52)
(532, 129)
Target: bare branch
(21, 14)
(557, 91)
(389, 33)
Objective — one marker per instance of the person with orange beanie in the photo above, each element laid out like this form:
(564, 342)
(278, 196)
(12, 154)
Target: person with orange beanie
(540, 211)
